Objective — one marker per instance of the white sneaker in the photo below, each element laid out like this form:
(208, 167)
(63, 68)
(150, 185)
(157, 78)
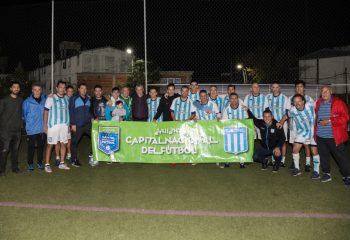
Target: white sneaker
(48, 169)
(63, 166)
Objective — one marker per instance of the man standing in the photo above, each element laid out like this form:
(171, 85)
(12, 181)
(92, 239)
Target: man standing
(125, 96)
(208, 110)
(194, 91)
(165, 104)
(98, 104)
(303, 115)
(235, 111)
(214, 97)
(331, 133)
(56, 125)
(33, 116)
(10, 127)
(227, 99)
(300, 89)
(272, 140)
(182, 108)
(278, 104)
(139, 105)
(256, 103)
(80, 120)
(153, 103)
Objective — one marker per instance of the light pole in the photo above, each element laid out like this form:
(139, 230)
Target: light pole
(244, 72)
(129, 51)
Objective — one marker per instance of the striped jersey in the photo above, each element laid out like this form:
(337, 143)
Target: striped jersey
(152, 109)
(58, 110)
(234, 113)
(219, 103)
(182, 109)
(256, 104)
(304, 120)
(207, 111)
(227, 101)
(193, 96)
(308, 99)
(278, 105)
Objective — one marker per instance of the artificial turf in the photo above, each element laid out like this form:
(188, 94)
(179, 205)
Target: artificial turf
(184, 187)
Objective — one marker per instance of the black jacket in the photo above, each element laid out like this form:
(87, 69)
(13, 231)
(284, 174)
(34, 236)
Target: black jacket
(164, 107)
(271, 136)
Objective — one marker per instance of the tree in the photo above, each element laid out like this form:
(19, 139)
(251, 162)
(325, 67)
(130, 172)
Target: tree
(137, 73)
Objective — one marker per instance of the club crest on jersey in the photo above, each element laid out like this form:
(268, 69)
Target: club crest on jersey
(236, 139)
(108, 139)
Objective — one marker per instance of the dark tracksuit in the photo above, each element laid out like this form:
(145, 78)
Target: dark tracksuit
(271, 137)
(80, 116)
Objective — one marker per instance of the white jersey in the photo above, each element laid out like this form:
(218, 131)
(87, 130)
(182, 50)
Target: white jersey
(227, 101)
(256, 104)
(58, 110)
(304, 120)
(203, 112)
(234, 113)
(182, 109)
(193, 96)
(219, 102)
(308, 99)
(278, 105)
(152, 109)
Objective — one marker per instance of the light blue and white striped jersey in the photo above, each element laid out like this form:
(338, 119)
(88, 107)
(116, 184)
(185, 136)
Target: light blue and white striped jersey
(193, 96)
(152, 109)
(202, 113)
(227, 101)
(237, 113)
(304, 120)
(309, 100)
(219, 102)
(256, 104)
(58, 110)
(182, 109)
(278, 105)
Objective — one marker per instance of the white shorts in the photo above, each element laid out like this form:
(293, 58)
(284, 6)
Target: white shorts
(58, 133)
(303, 140)
(292, 136)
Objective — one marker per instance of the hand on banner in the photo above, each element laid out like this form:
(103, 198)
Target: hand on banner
(74, 128)
(277, 152)
(279, 125)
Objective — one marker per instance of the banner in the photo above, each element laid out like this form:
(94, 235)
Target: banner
(174, 142)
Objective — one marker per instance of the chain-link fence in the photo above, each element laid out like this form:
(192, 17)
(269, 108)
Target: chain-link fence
(205, 38)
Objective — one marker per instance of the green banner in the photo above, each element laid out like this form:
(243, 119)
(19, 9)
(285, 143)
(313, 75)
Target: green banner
(174, 142)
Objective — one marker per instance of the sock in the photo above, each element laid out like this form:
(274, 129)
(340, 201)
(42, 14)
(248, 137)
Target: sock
(69, 155)
(57, 158)
(296, 160)
(308, 161)
(316, 160)
(283, 159)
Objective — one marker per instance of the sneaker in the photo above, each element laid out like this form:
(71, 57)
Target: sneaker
(275, 168)
(307, 168)
(315, 175)
(40, 166)
(264, 166)
(30, 168)
(63, 166)
(76, 163)
(296, 172)
(282, 165)
(241, 165)
(226, 165)
(220, 165)
(326, 178)
(48, 169)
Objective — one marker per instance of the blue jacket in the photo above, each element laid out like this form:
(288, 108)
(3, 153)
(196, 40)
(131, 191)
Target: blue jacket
(33, 115)
(79, 111)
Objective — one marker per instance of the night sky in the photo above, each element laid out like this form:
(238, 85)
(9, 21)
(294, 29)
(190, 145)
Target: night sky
(203, 36)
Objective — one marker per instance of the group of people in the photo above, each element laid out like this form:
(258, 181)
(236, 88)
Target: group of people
(60, 120)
